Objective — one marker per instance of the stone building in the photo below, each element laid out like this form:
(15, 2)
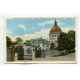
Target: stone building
(40, 42)
(54, 34)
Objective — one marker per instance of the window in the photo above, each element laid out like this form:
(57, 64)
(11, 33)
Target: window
(54, 35)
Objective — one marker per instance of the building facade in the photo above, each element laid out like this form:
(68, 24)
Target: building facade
(54, 35)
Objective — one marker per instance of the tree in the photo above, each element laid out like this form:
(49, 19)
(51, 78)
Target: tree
(71, 35)
(19, 40)
(63, 41)
(9, 42)
(71, 38)
(28, 42)
(67, 41)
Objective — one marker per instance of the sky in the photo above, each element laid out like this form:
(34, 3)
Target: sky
(36, 27)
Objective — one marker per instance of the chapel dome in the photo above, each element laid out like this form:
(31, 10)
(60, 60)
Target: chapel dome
(55, 28)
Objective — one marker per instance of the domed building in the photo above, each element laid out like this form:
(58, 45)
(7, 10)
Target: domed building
(54, 34)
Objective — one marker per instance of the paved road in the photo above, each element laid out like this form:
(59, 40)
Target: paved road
(69, 57)
(49, 57)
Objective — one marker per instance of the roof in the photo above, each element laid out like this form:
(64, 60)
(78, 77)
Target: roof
(55, 28)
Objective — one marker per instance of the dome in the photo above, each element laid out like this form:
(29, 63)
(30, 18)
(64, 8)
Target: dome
(55, 28)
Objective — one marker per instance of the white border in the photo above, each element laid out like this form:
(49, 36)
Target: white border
(38, 62)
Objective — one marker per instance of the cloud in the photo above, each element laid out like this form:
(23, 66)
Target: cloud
(24, 27)
(9, 32)
(46, 22)
(42, 33)
(67, 29)
(11, 36)
(21, 26)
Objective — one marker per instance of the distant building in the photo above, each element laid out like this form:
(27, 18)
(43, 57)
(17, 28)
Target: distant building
(54, 34)
(40, 42)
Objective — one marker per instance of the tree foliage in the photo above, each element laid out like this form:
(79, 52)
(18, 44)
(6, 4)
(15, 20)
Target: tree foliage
(63, 41)
(19, 40)
(71, 37)
(9, 42)
(28, 42)
(66, 41)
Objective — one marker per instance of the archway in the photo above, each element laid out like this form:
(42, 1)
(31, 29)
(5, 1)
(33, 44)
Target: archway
(52, 46)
